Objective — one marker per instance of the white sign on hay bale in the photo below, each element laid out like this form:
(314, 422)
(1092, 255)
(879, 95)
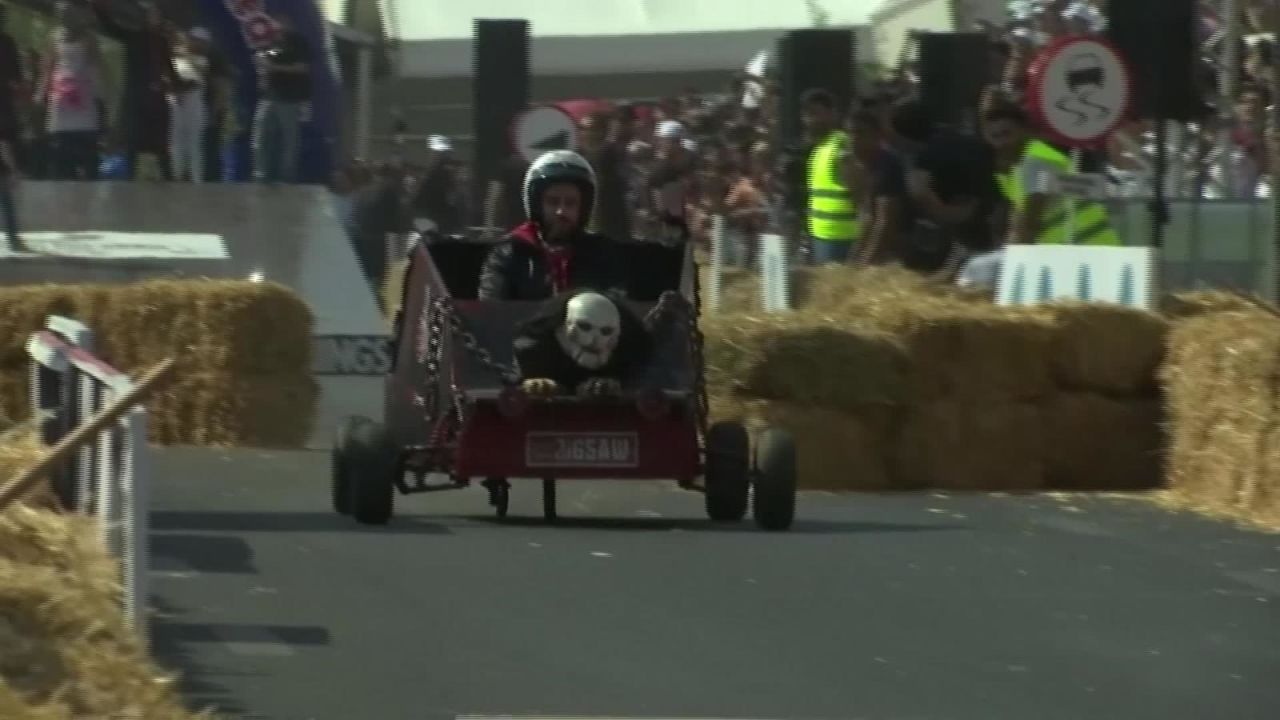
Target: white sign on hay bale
(774, 275)
(1032, 274)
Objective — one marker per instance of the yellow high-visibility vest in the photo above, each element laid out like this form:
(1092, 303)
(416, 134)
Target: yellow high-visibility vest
(1092, 224)
(832, 215)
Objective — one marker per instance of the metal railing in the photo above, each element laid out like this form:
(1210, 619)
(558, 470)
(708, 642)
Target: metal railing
(106, 477)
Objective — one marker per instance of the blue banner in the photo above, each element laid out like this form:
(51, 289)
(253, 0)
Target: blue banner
(239, 28)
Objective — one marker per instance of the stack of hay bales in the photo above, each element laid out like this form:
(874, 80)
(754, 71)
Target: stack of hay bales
(243, 349)
(889, 382)
(1223, 384)
(65, 650)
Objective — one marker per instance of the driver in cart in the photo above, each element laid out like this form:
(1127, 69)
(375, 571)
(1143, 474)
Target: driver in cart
(552, 252)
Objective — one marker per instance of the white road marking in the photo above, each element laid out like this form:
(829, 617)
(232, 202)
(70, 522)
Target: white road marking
(1257, 580)
(599, 554)
(173, 574)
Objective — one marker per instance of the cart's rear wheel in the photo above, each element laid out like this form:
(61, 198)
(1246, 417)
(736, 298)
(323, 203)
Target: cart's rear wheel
(372, 462)
(549, 499)
(727, 471)
(340, 466)
(774, 501)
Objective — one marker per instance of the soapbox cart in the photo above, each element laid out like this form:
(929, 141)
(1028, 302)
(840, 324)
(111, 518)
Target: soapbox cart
(454, 407)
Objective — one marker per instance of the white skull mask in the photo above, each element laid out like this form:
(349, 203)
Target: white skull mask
(590, 331)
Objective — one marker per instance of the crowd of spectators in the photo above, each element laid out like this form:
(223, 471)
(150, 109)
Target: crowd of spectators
(671, 166)
(170, 113)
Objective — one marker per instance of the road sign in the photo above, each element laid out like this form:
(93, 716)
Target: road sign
(542, 129)
(1091, 186)
(1080, 89)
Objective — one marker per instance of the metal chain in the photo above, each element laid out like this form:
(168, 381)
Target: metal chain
(472, 343)
(435, 353)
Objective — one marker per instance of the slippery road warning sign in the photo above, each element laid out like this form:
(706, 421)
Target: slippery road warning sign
(542, 129)
(1080, 89)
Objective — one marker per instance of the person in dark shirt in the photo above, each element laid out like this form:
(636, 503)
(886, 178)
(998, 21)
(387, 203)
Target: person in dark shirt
(608, 159)
(553, 252)
(440, 194)
(284, 73)
(885, 199)
(950, 182)
(11, 81)
(378, 209)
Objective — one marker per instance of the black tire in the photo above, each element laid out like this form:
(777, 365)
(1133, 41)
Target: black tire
(549, 499)
(340, 466)
(774, 500)
(373, 463)
(727, 472)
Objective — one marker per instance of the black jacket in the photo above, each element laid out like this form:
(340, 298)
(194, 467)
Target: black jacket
(518, 268)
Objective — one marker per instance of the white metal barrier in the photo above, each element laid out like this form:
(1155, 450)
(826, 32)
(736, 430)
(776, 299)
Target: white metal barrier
(106, 478)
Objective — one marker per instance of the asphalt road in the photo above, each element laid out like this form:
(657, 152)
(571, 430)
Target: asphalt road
(906, 607)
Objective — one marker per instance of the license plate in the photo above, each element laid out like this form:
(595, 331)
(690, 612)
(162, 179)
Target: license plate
(602, 450)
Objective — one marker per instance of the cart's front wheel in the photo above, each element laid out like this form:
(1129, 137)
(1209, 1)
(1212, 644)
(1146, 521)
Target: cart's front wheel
(372, 463)
(340, 467)
(499, 495)
(774, 501)
(727, 471)
(549, 499)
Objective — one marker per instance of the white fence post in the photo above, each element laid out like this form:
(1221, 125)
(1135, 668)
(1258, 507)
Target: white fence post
(715, 279)
(108, 476)
(135, 501)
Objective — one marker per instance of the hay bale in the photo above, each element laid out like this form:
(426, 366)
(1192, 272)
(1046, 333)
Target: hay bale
(20, 448)
(1222, 386)
(1202, 302)
(1101, 443)
(836, 450)
(1107, 348)
(974, 352)
(221, 409)
(971, 445)
(65, 650)
(804, 360)
(243, 351)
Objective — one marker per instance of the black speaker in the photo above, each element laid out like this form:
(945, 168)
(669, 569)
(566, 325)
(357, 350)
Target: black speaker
(1158, 39)
(500, 91)
(954, 68)
(812, 59)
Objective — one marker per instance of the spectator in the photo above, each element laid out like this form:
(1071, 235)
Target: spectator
(379, 210)
(747, 207)
(149, 77)
(220, 101)
(70, 86)
(11, 84)
(441, 196)
(188, 100)
(285, 85)
(607, 159)
(671, 184)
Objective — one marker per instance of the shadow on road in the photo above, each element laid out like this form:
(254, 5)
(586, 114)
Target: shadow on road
(185, 648)
(240, 521)
(802, 527)
(201, 553)
(198, 683)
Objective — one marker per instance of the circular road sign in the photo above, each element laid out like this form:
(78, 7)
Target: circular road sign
(542, 129)
(1080, 89)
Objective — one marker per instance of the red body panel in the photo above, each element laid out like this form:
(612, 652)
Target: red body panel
(594, 441)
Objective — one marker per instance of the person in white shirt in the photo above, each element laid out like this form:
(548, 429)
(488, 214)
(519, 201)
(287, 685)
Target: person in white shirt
(186, 145)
